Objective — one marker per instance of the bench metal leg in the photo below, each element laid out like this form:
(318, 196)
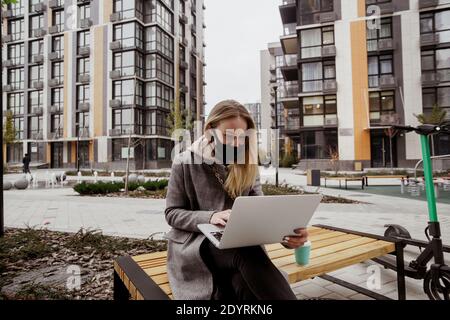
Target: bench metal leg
(400, 260)
(120, 291)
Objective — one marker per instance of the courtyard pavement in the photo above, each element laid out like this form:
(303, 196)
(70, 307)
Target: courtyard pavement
(61, 209)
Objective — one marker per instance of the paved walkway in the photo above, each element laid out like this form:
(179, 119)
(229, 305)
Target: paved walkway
(61, 209)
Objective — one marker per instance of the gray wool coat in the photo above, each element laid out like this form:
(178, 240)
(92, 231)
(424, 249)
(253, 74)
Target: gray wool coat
(193, 195)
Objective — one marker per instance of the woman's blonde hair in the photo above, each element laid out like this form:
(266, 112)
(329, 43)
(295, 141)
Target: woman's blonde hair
(240, 176)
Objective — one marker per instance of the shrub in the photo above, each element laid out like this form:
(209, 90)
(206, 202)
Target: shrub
(288, 161)
(100, 187)
(156, 185)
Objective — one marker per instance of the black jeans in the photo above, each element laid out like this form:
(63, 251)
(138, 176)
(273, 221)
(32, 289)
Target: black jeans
(244, 274)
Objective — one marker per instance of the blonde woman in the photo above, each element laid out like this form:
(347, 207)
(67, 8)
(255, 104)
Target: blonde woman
(202, 188)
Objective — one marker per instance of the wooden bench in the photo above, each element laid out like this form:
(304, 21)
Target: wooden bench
(144, 277)
(401, 177)
(346, 180)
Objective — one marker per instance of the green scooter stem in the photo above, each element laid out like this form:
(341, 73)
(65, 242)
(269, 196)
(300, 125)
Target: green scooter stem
(429, 183)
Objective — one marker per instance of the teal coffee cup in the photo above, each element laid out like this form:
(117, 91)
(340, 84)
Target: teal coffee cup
(302, 254)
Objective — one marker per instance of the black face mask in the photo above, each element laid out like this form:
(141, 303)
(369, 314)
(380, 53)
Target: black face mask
(227, 154)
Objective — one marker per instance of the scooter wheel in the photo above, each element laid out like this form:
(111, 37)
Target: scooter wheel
(436, 285)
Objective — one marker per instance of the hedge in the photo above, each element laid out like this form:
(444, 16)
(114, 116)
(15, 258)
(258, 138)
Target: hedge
(88, 188)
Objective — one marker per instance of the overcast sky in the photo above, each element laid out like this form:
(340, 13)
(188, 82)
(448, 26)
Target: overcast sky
(236, 31)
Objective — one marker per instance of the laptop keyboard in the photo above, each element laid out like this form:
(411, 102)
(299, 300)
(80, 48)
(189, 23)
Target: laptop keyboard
(217, 235)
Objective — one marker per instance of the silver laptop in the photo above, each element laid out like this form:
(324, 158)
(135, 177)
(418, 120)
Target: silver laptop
(262, 220)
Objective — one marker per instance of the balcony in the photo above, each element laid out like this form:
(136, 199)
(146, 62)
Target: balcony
(290, 29)
(85, 23)
(84, 107)
(289, 44)
(55, 55)
(58, 134)
(115, 132)
(38, 58)
(329, 86)
(290, 68)
(430, 79)
(115, 74)
(115, 17)
(184, 89)
(39, 33)
(184, 42)
(184, 65)
(193, 29)
(388, 119)
(53, 4)
(385, 8)
(288, 11)
(386, 44)
(331, 121)
(6, 38)
(329, 51)
(183, 19)
(38, 85)
(115, 103)
(84, 51)
(37, 135)
(425, 4)
(54, 109)
(83, 133)
(39, 7)
(325, 17)
(38, 111)
(273, 68)
(54, 82)
(387, 82)
(53, 29)
(429, 39)
(115, 45)
(288, 95)
(84, 78)
(7, 14)
(7, 88)
(8, 63)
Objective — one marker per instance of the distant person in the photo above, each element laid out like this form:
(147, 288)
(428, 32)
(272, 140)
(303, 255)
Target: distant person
(26, 163)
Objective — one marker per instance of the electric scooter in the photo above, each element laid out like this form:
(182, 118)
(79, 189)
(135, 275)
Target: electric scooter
(437, 276)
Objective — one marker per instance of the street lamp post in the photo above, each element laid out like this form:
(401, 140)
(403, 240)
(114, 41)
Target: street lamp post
(275, 89)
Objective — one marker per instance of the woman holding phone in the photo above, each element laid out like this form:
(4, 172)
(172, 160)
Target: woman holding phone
(205, 180)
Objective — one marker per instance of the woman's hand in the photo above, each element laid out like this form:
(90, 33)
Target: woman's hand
(296, 241)
(220, 218)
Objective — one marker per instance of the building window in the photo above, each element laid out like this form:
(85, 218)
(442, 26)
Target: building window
(384, 32)
(83, 67)
(439, 96)
(156, 123)
(129, 92)
(129, 63)
(84, 12)
(57, 125)
(35, 48)
(158, 95)
(130, 34)
(58, 72)
(117, 146)
(58, 45)
(16, 78)
(436, 22)
(318, 144)
(319, 111)
(36, 99)
(16, 103)
(36, 74)
(83, 94)
(123, 120)
(36, 22)
(16, 53)
(82, 123)
(312, 41)
(313, 75)
(15, 152)
(35, 126)
(157, 39)
(18, 127)
(308, 9)
(161, 15)
(57, 98)
(437, 62)
(83, 40)
(58, 19)
(378, 66)
(15, 29)
(129, 9)
(18, 9)
(159, 67)
(381, 103)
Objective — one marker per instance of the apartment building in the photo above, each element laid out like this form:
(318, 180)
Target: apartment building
(344, 77)
(83, 78)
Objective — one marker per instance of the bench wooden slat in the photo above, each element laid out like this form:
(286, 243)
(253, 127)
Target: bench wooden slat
(332, 262)
(331, 250)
